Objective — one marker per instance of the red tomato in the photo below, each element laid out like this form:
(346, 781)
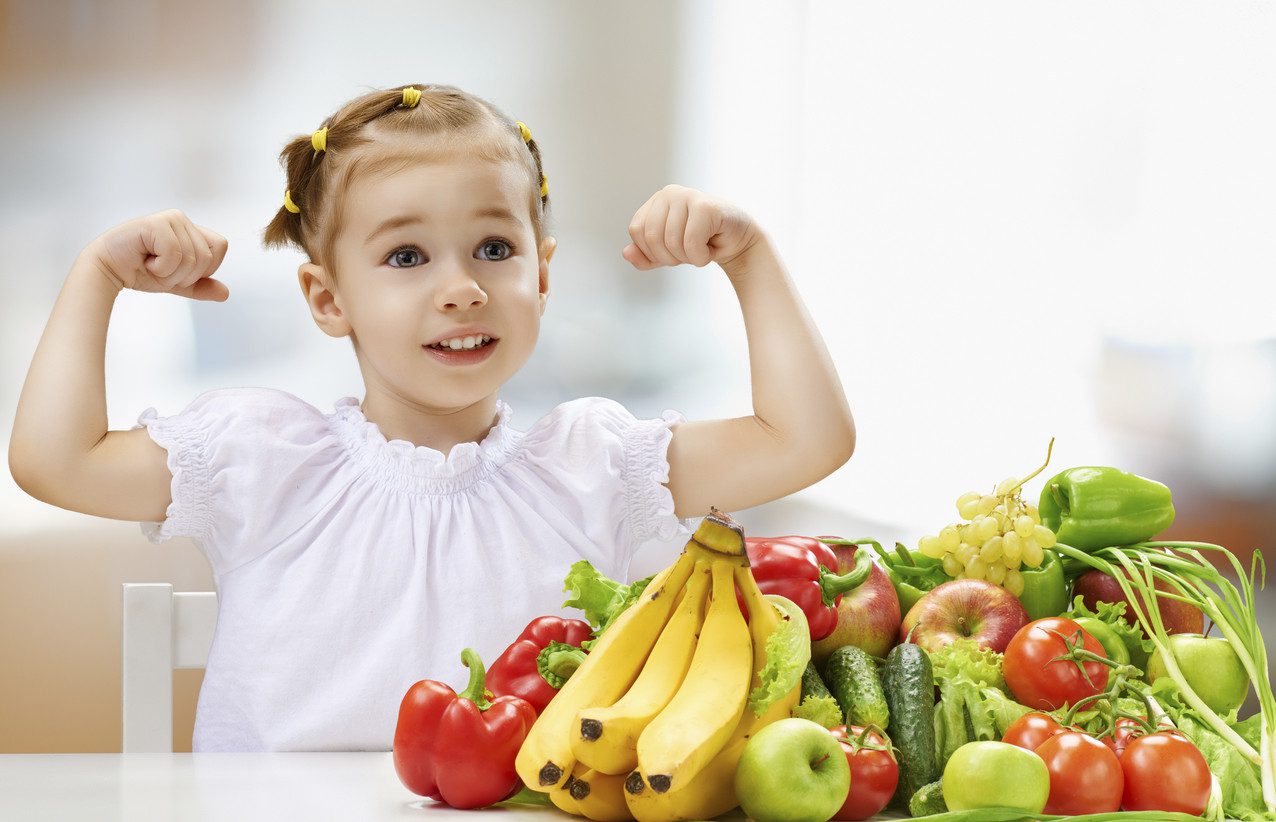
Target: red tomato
(1125, 730)
(1165, 772)
(1031, 729)
(1039, 682)
(1085, 775)
(874, 774)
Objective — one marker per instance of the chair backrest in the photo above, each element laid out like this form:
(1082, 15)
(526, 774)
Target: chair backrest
(162, 630)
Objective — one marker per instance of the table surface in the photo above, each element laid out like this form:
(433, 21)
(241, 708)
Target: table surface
(225, 786)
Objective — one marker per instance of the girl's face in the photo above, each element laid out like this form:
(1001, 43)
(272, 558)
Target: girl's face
(428, 252)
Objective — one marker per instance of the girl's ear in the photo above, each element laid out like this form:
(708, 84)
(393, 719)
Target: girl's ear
(323, 301)
(548, 246)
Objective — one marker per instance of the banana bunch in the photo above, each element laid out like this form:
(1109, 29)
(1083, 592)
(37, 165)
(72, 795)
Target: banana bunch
(651, 725)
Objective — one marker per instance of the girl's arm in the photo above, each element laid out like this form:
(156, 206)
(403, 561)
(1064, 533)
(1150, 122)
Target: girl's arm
(801, 429)
(60, 451)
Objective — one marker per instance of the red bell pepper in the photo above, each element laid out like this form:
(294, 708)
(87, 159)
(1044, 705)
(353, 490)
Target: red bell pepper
(537, 664)
(460, 749)
(802, 569)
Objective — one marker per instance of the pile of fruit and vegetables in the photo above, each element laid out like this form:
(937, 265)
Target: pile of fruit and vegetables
(1030, 661)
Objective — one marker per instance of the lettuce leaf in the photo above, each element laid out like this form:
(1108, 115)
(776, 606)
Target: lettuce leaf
(601, 599)
(788, 649)
(822, 710)
(969, 711)
(967, 657)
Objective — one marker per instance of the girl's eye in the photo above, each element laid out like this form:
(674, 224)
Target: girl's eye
(497, 245)
(404, 255)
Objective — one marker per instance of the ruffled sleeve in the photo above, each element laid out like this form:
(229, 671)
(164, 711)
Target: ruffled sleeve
(617, 466)
(241, 458)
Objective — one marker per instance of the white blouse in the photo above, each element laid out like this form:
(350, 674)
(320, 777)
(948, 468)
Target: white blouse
(348, 567)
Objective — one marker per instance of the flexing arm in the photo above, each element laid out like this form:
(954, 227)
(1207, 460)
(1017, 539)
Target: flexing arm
(801, 429)
(61, 451)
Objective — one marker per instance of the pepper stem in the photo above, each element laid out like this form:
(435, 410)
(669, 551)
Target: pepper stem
(475, 691)
(834, 585)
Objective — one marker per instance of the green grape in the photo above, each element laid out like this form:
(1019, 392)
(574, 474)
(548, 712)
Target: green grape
(930, 547)
(987, 504)
(1012, 545)
(949, 538)
(1012, 563)
(951, 566)
(976, 568)
(1024, 525)
(1032, 555)
(968, 504)
(1044, 536)
(993, 549)
(987, 528)
(1003, 487)
(996, 573)
(1031, 510)
(1013, 582)
(964, 552)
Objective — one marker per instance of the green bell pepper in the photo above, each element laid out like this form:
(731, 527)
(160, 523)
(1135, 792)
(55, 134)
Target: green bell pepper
(912, 573)
(1045, 592)
(1093, 507)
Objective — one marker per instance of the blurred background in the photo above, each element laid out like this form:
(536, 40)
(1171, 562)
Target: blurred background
(1010, 222)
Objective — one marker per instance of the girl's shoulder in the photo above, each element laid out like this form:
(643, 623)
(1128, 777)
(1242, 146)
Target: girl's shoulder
(243, 413)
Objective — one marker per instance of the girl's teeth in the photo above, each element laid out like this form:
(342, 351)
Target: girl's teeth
(463, 343)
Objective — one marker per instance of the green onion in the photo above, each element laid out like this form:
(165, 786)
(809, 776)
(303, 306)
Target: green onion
(1193, 579)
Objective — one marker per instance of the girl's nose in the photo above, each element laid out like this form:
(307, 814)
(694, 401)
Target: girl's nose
(460, 290)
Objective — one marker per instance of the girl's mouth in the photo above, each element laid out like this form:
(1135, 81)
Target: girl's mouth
(463, 356)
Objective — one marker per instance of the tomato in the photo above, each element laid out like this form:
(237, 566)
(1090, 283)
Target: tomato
(1124, 731)
(1165, 772)
(874, 773)
(1085, 775)
(1037, 679)
(1031, 729)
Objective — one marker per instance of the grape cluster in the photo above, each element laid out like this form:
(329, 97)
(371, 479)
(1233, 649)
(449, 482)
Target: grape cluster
(1001, 533)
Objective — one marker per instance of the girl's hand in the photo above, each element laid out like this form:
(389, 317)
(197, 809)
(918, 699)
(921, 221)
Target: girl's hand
(163, 252)
(682, 225)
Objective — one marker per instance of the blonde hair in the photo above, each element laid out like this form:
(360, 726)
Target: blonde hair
(367, 135)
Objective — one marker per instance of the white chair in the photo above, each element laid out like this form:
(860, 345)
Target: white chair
(162, 630)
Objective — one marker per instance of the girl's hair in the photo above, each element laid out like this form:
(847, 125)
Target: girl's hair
(378, 133)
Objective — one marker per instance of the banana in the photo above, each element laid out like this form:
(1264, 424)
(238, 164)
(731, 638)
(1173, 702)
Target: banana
(545, 758)
(563, 800)
(711, 792)
(697, 722)
(598, 796)
(606, 738)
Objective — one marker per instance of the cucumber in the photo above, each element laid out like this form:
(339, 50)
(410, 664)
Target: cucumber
(851, 676)
(909, 684)
(929, 799)
(812, 685)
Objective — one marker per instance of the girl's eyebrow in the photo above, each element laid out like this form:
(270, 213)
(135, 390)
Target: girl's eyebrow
(492, 212)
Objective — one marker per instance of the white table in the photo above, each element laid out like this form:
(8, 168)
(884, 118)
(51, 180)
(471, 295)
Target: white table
(176, 787)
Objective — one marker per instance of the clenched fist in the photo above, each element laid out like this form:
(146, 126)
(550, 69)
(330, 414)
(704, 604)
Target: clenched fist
(682, 225)
(163, 252)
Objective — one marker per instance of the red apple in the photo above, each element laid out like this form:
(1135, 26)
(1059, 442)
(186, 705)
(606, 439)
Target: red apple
(1179, 617)
(974, 608)
(867, 617)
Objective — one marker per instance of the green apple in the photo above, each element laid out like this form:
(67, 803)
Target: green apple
(1210, 666)
(995, 775)
(793, 770)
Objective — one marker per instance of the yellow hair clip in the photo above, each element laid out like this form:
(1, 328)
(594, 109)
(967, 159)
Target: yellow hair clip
(320, 139)
(289, 204)
(544, 186)
(411, 96)
(525, 131)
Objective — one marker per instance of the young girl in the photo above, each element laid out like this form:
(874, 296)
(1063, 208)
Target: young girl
(358, 550)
